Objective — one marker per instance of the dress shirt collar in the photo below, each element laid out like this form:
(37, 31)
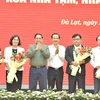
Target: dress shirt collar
(98, 47)
(76, 47)
(54, 46)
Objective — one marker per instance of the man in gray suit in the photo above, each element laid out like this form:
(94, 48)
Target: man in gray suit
(38, 54)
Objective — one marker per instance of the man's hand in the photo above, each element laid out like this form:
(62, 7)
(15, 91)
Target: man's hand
(98, 67)
(57, 50)
(82, 62)
(39, 46)
(19, 68)
(74, 63)
(8, 70)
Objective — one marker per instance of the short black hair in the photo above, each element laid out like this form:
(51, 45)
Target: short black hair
(97, 37)
(75, 35)
(10, 42)
(55, 34)
(38, 34)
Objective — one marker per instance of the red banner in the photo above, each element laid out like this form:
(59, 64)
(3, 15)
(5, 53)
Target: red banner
(66, 17)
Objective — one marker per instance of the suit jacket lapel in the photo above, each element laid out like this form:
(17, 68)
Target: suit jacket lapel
(72, 49)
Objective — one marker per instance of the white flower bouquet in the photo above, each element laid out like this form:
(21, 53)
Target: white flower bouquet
(47, 95)
(79, 55)
(16, 61)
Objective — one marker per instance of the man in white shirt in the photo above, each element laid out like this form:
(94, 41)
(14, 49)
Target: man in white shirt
(95, 62)
(55, 63)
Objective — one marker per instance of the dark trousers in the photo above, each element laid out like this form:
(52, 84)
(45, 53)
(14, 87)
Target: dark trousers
(35, 75)
(80, 79)
(96, 83)
(15, 85)
(55, 76)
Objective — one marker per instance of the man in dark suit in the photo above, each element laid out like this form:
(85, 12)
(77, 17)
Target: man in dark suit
(80, 76)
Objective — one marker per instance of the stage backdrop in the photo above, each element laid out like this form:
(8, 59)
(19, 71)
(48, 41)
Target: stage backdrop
(66, 17)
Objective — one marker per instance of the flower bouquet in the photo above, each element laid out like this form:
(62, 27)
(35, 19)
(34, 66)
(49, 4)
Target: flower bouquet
(1, 57)
(16, 61)
(80, 55)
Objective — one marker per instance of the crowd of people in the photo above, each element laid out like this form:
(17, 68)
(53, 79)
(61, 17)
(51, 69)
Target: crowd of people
(53, 56)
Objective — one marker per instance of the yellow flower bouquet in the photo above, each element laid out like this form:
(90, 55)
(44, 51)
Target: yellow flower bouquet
(79, 55)
(16, 61)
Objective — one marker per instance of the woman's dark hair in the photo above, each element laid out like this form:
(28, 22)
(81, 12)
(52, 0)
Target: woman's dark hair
(38, 34)
(10, 42)
(75, 35)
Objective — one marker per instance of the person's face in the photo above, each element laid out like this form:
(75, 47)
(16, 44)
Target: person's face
(15, 41)
(77, 41)
(98, 41)
(55, 39)
(38, 39)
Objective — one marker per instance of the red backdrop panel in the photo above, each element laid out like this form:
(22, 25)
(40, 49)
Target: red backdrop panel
(28, 19)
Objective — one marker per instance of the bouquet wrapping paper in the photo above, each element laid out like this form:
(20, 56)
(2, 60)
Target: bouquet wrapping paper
(82, 54)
